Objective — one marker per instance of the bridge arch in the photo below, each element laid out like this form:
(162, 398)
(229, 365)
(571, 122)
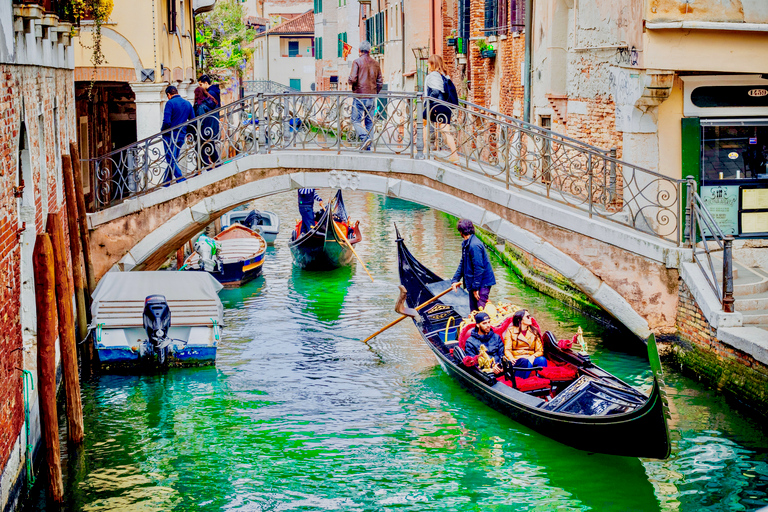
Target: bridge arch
(631, 277)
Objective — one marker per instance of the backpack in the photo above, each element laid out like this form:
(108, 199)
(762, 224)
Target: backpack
(449, 91)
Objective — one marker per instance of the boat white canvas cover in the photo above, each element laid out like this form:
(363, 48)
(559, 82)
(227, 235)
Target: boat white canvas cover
(118, 300)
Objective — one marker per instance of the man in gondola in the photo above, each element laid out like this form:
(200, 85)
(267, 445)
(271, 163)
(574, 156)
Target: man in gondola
(483, 334)
(307, 198)
(474, 268)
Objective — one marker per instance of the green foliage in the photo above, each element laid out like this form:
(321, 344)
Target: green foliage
(223, 38)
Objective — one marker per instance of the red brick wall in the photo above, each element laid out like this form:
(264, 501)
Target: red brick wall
(30, 92)
(480, 72)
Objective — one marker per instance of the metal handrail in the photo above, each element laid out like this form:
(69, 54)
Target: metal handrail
(701, 226)
(475, 139)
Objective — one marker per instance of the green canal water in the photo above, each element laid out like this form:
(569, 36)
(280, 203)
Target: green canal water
(298, 414)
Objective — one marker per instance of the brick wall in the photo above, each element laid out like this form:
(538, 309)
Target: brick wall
(42, 98)
(501, 76)
(732, 371)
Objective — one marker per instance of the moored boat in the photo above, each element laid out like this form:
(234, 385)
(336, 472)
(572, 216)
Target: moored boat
(238, 256)
(265, 223)
(327, 244)
(169, 318)
(572, 400)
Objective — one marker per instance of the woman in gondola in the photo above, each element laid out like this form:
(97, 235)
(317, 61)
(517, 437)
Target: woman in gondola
(522, 343)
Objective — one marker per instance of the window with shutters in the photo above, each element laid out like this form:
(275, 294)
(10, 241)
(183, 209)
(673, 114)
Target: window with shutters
(463, 31)
(172, 16)
(516, 15)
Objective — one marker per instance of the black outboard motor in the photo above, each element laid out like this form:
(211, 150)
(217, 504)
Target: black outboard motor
(157, 322)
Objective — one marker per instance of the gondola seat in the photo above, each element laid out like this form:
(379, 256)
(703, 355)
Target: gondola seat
(532, 385)
(563, 373)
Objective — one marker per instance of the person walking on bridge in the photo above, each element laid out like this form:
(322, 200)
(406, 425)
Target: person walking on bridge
(177, 111)
(365, 78)
(474, 268)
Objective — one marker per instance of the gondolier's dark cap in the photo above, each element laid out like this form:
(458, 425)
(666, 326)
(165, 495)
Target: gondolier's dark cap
(481, 317)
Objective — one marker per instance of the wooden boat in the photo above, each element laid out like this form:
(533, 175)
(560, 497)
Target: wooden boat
(119, 334)
(328, 244)
(241, 256)
(268, 224)
(582, 405)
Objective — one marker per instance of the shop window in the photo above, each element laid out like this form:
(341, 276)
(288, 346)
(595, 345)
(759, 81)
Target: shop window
(734, 150)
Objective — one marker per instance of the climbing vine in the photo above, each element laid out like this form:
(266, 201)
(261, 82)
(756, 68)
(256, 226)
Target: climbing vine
(97, 10)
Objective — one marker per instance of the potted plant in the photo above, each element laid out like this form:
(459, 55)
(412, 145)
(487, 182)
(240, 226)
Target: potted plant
(451, 41)
(486, 50)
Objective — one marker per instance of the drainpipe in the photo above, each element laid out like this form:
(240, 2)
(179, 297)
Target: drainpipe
(528, 57)
(402, 37)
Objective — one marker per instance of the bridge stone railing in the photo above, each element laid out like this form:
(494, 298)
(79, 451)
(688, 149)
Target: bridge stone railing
(503, 149)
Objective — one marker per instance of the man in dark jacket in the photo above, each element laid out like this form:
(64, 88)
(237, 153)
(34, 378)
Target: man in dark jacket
(474, 268)
(483, 334)
(177, 111)
(365, 78)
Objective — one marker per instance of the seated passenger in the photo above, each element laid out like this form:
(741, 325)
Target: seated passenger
(483, 334)
(522, 343)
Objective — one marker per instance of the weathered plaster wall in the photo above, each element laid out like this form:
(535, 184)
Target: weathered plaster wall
(732, 11)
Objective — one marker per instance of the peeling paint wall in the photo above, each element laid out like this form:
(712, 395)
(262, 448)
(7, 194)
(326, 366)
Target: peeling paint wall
(731, 11)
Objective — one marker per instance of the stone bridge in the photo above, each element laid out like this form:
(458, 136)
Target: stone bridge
(611, 228)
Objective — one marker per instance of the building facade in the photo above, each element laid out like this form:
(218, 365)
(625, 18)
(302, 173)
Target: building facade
(675, 86)
(483, 43)
(285, 53)
(37, 123)
(146, 47)
(336, 22)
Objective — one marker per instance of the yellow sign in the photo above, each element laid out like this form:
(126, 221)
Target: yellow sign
(754, 199)
(754, 222)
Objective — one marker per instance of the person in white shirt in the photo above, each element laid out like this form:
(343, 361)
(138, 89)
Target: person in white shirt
(440, 115)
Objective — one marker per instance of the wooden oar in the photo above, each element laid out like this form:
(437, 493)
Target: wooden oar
(403, 317)
(341, 235)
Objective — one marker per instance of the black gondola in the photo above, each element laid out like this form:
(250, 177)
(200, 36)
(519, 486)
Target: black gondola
(328, 244)
(592, 410)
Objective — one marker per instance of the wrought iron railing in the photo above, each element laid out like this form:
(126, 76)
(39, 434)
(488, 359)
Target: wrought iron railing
(703, 231)
(265, 86)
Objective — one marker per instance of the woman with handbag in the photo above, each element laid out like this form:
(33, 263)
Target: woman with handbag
(439, 114)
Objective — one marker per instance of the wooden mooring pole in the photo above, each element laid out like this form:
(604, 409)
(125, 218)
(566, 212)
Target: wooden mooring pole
(45, 298)
(85, 237)
(179, 257)
(67, 342)
(82, 302)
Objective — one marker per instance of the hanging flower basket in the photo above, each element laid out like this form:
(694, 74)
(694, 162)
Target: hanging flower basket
(451, 41)
(488, 54)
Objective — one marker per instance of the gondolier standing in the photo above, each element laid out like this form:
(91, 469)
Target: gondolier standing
(474, 267)
(307, 198)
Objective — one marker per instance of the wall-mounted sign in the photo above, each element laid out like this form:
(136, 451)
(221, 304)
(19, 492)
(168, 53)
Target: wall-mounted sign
(753, 140)
(756, 93)
(733, 155)
(723, 203)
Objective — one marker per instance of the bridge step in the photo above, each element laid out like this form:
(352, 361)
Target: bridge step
(752, 302)
(756, 318)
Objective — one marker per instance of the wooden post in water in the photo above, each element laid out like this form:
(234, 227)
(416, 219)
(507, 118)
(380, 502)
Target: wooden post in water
(77, 264)
(45, 298)
(66, 332)
(85, 237)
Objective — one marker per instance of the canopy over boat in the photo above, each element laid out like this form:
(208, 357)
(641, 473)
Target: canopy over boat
(118, 300)
(571, 400)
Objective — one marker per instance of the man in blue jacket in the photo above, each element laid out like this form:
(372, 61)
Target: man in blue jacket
(474, 268)
(177, 111)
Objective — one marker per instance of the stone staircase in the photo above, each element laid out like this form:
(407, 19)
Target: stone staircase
(750, 291)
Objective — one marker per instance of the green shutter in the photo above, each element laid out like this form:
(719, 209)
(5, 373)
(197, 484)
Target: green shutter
(321, 47)
(691, 147)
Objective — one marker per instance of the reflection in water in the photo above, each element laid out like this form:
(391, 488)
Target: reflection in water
(297, 414)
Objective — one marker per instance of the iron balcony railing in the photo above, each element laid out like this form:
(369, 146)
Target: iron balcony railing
(474, 139)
